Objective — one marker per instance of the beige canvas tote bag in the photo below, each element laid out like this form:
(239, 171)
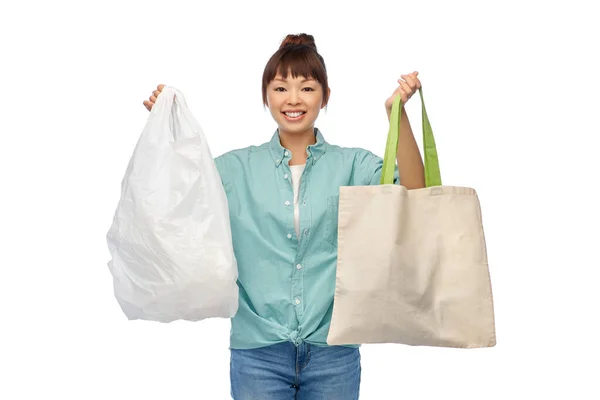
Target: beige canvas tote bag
(412, 264)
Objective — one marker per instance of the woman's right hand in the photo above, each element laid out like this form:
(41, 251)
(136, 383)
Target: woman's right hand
(152, 99)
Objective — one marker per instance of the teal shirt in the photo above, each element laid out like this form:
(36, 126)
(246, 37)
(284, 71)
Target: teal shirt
(286, 283)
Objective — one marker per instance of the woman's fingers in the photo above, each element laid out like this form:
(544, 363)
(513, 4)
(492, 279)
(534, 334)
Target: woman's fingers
(405, 86)
(152, 99)
(412, 81)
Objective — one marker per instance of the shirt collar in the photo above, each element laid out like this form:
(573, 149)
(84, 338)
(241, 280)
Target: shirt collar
(314, 151)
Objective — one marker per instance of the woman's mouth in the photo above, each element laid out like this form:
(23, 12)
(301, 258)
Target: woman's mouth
(294, 116)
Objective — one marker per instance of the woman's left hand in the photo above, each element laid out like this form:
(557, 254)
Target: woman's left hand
(408, 85)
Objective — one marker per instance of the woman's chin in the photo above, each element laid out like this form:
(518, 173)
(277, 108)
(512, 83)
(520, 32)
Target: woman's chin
(295, 126)
(294, 129)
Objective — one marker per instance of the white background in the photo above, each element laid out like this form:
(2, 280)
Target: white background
(512, 92)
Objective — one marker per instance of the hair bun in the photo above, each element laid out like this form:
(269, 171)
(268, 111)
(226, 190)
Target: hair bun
(297, 40)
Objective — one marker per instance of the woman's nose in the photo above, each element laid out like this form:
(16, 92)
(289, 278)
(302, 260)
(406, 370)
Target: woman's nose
(294, 98)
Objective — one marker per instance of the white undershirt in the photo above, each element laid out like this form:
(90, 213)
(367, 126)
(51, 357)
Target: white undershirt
(296, 174)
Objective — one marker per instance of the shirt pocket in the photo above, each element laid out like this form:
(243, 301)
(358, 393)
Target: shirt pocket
(331, 220)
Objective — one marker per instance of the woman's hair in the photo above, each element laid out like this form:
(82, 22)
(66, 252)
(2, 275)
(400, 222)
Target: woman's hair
(297, 53)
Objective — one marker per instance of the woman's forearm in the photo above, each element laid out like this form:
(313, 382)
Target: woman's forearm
(410, 163)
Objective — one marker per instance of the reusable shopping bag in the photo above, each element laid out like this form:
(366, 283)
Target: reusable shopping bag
(412, 264)
(170, 239)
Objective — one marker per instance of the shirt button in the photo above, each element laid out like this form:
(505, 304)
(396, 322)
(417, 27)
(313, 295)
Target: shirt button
(304, 202)
(297, 301)
(298, 266)
(286, 154)
(287, 203)
(285, 176)
(289, 236)
(306, 231)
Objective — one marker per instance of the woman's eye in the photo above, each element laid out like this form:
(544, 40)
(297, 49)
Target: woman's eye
(308, 89)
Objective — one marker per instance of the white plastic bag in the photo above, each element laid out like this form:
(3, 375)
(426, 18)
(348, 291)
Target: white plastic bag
(170, 239)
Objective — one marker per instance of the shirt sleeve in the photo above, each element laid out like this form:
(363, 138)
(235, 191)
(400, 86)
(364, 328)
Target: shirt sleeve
(221, 165)
(371, 167)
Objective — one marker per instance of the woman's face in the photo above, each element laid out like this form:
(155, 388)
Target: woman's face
(295, 103)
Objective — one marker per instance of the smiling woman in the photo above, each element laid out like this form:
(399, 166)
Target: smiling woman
(278, 337)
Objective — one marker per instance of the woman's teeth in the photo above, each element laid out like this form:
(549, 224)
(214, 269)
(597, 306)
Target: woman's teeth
(294, 114)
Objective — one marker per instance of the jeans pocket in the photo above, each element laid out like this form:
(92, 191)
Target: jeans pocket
(331, 220)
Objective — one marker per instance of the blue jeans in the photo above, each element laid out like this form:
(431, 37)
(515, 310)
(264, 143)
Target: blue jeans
(286, 372)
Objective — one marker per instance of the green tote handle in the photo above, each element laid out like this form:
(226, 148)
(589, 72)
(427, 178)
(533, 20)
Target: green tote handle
(432, 165)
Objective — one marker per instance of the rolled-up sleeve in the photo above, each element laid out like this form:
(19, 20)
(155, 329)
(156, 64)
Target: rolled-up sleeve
(371, 168)
(220, 164)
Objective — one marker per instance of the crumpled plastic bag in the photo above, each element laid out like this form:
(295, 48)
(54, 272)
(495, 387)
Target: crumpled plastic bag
(170, 239)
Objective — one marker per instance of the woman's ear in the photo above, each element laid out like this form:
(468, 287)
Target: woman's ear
(324, 104)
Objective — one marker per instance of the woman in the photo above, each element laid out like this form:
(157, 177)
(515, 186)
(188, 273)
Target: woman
(283, 198)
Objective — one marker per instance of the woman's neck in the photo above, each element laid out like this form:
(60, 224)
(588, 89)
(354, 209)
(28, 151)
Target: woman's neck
(297, 144)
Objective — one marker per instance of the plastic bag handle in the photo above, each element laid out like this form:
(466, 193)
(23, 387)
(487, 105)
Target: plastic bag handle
(170, 102)
(170, 95)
